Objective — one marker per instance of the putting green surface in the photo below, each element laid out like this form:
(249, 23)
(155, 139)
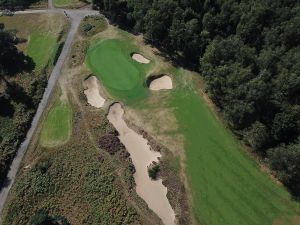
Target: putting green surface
(41, 48)
(57, 126)
(227, 186)
(111, 62)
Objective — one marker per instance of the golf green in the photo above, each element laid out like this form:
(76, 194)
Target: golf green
(41, 48)
(57, 126)
(111, 62)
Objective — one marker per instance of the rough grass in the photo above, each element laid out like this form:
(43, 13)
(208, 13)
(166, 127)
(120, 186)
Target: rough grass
(41, 33)
(60, 3)
(111, 62)
(227, 185)
(57, 126)
(92, 25)
(41, 48)
(71, 3)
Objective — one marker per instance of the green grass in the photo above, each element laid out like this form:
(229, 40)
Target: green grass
(111, 62)
(59, 3)
(227, 186)
(41, 48)
(57, 126)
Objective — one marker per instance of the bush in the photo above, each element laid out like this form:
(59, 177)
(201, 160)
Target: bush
(87, 27)
(153, 170)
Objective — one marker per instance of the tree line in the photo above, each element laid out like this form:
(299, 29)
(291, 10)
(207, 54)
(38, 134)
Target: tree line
(12, 4)
(248, 54)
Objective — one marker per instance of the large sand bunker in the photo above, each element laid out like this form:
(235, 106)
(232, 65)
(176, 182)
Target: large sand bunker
(139, 58)
(92, 92)
(152, 191)
(163, 82)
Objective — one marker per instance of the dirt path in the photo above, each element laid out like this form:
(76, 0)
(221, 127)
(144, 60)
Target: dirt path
(75, 16)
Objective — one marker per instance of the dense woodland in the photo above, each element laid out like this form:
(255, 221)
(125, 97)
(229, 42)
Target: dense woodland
(248, 54)
(11, 4)
(20, 93)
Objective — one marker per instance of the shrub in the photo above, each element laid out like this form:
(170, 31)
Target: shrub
(153, 170)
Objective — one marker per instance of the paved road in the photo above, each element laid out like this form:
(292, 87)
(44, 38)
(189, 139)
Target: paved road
(75, 17)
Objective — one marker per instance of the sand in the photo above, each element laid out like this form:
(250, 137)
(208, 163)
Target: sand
(162, 83)
(92, 92)
(152, 191)
(139, 58)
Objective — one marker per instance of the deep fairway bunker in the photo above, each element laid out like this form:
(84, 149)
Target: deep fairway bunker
(92, 92)
(152, 191)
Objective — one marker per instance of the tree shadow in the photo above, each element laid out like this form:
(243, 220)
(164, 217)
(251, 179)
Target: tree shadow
(6, 108)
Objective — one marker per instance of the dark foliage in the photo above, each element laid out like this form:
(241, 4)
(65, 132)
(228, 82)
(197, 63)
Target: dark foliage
(17, 101)
(110, 143)
(153, 171)
(12, 4)
(249, 57)
(42, 218)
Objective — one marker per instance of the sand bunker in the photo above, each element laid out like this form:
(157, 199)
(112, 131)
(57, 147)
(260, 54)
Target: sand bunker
(92, 92)
(152, 191)
(139, 58)
(161, 83)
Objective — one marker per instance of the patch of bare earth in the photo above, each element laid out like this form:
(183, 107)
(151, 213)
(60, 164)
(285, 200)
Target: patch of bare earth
(152, 191)
(161, 83)
(92, 92)
(139, 58)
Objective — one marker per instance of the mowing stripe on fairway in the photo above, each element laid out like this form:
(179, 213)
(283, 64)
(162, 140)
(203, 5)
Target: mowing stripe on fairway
(227, 186)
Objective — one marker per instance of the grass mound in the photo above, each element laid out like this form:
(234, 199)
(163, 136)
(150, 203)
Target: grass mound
(56, 128)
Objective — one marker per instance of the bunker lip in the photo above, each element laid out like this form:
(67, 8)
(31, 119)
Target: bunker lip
(92, 92)
(152, 191)
(159, 82)
(139, 58)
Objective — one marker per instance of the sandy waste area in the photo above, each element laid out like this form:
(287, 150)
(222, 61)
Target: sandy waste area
(152, 191)
(139, 58)
(162, 83)
(92, 92)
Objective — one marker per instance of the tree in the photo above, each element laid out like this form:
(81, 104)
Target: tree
(285, 160)
(42, 218)
(257, 135)
(12, 61)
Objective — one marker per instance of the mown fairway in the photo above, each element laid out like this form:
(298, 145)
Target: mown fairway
(57, 126)
(123, 77)
(227, 186)
(41, 48)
